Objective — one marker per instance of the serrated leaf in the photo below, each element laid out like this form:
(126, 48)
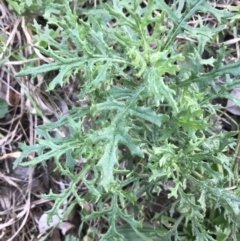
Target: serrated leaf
(179, 23)
(203, 33)
(37, 70)
(208, 78)
(117, 92)
(102, 74)
(144, 113)
(219, 14)
(70, 162)
(107, 163)
(47, 156)
(147, 114)
(159, 89)
(27, 150)
(113, 136)
(209, 61)
(127, 140)
(149, 232)
(231, 199)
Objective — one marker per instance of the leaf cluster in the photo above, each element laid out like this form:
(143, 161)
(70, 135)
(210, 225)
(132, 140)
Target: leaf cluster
(151, 114)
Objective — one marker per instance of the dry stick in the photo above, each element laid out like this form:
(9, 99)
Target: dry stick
(11, 37)
(33, 205)
(21, 62)
(25, 211)
(237, 158)
(28, 36)
(27, 207)
(32, 124)
(13, 220)
(237, 150)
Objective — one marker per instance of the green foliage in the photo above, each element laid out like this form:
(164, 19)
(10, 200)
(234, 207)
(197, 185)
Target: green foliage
(35, 7)
(151, 115)
(3, 108)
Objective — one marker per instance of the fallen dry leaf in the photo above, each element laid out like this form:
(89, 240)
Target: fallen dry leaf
(43, 225)
(65, 226)
(12, 154)
(231, 106)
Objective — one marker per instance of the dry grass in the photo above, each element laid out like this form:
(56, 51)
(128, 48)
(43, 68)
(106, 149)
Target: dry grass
(20, 205)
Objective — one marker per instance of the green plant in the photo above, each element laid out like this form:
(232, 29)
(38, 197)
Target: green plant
(149, 102)
(35, 7)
